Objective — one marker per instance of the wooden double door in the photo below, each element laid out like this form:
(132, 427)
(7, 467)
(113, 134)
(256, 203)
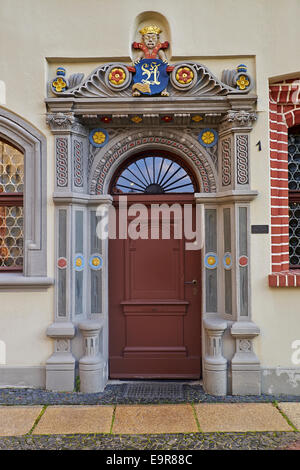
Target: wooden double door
(154, 301)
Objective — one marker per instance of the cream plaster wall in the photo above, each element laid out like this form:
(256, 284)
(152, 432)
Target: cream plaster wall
(36, 36)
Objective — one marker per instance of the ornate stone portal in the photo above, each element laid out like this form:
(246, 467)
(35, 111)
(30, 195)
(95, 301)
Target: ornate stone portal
(100, 121)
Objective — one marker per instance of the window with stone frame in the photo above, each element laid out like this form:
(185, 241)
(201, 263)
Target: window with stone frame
(294, 195)
(11, 207)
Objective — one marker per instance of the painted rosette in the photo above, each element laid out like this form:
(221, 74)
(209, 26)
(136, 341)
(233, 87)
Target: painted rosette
(59, 84)
(211, 260)
(243, 261)
(227, 261)
(117, 77)
(78, 263)
(184, 77)
(62, 263)
(98, 137)
(95, 262)
(208, 137)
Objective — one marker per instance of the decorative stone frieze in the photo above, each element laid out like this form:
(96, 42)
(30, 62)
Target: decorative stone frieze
(245, 365)
(60, 367)
(215, 365)
(91, 365)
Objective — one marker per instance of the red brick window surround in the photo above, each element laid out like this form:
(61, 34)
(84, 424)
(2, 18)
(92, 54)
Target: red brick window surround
(284, 113)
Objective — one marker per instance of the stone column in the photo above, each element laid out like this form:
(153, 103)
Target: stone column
(92, 364)
(245, 365)
(215, 365)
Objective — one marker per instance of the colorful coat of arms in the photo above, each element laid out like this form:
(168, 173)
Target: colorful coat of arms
(151, 76)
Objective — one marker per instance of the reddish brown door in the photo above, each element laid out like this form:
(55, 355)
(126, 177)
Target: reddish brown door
(154, 308)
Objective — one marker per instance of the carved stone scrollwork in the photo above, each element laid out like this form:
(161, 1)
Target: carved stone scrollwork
(78, 163)
(226, 162)
(61, 147)
(241, 144)
(115, 79)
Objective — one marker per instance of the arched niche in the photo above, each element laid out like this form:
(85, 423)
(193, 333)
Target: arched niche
(146, 18)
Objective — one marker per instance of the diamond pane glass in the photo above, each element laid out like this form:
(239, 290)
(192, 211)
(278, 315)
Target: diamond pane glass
(11, 169)
(294, 162)
(153, 175)
(294, 232)
(11, 237)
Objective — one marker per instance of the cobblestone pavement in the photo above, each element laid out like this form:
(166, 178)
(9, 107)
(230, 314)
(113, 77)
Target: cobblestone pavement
(195, 441)
(115, 394)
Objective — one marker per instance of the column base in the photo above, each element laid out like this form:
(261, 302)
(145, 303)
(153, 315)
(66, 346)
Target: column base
(60, 373)
(215, 379)
(92, 375)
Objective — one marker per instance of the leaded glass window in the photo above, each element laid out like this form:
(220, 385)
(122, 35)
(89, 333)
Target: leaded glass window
(294, 196)
(154, 173)
(11, 207)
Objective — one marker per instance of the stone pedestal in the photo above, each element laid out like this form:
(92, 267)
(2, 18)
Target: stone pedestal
(245, 365)
(215, 365)
(91, 365)
(60, 367)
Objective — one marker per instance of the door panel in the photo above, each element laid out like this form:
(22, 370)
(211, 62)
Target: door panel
(154, 316)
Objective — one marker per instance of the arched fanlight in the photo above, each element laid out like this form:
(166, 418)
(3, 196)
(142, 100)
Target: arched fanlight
(153, 174)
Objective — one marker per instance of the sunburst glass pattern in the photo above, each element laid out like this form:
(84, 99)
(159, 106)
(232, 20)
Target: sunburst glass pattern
(153, 175)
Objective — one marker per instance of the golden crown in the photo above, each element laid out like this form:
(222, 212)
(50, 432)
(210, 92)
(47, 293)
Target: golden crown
(151, 29)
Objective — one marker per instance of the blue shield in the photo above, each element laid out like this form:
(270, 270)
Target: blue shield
(151, 76)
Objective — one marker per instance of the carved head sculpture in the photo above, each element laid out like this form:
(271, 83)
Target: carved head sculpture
(150, 35)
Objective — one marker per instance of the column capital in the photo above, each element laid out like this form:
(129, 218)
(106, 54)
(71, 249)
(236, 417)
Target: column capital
(64, 123)
(238, 120)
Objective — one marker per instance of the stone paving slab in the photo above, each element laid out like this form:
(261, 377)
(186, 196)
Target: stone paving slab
(16, 421)
(75, 419)
(240, 417)
(149, 419)
(292, 411)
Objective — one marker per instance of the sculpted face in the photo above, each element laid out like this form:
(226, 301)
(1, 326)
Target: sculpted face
(150, 40)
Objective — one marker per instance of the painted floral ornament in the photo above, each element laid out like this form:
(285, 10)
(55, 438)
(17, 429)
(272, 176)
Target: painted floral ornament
(197, 118)
(79, 263)
(184, 77)
(211, 260)
(136, 119)
(96, 262)
(227, 260)
(208, 137)
(242, 79)
(60, 83)
(117, 77)
(98, 137)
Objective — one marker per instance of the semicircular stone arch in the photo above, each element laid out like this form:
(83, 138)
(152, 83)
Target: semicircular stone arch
(123, 146)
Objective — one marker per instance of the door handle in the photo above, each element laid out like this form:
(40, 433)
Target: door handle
(193, 282)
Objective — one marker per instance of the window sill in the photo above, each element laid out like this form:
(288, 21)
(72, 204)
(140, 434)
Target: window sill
(289, 278)
(15, 280)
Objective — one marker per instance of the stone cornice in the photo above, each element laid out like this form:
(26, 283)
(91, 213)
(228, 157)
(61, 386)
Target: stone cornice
(225, 197)
(159, 105)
